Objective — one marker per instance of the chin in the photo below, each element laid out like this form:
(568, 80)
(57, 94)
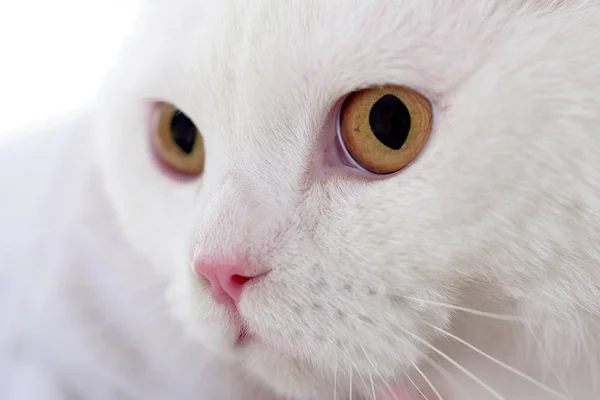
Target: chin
(285, 375)
(218, 332)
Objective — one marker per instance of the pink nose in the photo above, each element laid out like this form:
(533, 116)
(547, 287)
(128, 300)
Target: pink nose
(227, 281)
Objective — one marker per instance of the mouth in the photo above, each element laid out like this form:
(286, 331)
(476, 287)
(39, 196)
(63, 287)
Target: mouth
(244, 336)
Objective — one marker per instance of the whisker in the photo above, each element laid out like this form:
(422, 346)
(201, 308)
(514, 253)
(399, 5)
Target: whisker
(364, 382)
(440, 369)
(500, 363)
(547, 360)
(350, 385)
(372, 386)
(501, 317)
(335, 372)
(457, 365)
(414, 366)
(385, 382)
(416, 386)
(435, 391)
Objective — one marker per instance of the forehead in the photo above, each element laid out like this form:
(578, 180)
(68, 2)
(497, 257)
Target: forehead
(325, 47)
(336, 45)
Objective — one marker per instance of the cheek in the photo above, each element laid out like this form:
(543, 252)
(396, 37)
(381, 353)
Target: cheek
(326, 308)
(155, 211)
(342, 287)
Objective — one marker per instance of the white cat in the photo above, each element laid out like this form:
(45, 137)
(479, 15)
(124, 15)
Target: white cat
(393, 199)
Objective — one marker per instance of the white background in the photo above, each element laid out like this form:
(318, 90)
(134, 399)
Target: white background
(54, 53)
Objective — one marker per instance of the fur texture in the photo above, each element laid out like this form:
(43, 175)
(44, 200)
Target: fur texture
(472, 274)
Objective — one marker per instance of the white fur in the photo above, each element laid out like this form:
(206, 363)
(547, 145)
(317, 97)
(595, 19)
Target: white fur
(500, 213)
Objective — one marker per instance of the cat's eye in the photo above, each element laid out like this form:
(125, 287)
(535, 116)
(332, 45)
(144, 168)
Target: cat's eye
(177, 141)
(384, 129)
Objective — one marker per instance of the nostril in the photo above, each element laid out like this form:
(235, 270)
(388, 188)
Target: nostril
(227, 281)
(239, 280)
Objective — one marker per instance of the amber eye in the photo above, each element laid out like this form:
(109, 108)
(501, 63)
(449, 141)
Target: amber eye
(177, 141)
(384, 129)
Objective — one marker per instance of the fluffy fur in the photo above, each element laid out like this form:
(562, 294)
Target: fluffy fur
(472, 274)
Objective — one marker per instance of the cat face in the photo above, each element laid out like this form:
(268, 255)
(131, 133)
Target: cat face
(357, 262)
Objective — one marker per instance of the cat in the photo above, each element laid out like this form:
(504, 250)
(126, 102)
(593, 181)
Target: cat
(272, 199)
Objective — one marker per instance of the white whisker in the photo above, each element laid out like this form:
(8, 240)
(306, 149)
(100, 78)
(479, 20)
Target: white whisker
(385, 382)
(447, 376)
(547, 360)
(350, 384)
(457, 365)
(364, 382)
(416, 386)
(372, 386)
(335, 372)
(435, 391)
(414, 366)
(500, 363)
(501, 317)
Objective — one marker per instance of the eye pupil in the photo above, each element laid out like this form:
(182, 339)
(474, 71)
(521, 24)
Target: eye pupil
(390, 121)
(183, 132)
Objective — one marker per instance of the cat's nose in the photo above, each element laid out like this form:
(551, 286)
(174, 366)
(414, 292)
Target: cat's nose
(227, 281)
